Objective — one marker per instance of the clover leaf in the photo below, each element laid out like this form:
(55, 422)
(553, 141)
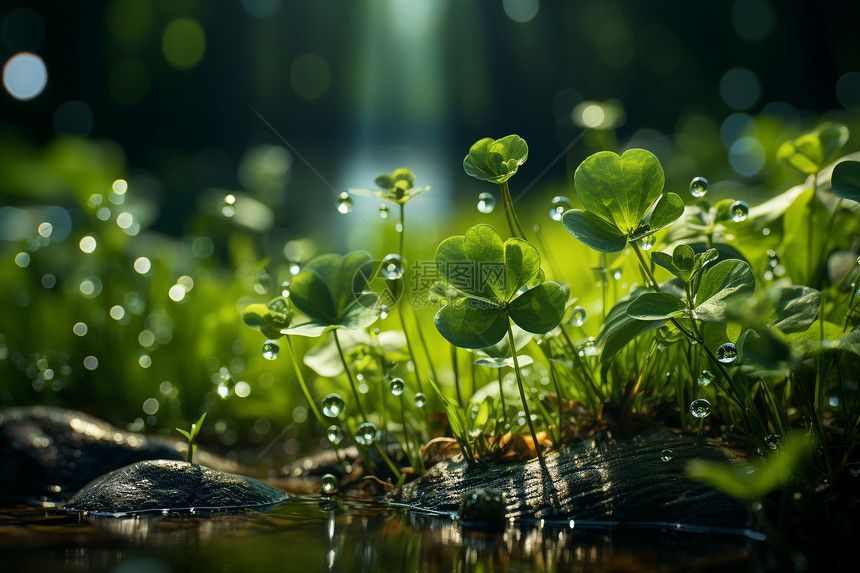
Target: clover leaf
(846, 180)
(492, 276)
(399, 187)
(622, 200)
(269, 319)
(331, 291)
(812, 150)
(496, 160)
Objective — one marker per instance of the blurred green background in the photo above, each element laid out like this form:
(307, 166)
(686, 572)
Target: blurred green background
(183, 154)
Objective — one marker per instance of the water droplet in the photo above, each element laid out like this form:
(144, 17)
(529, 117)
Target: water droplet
(765, 231)
(392, 267)
(271, 350)
(772, 441)
(262, 282)
(344, 203)
(384, 211)
(666, 455)
(579, 316)
(486, 203)
(727, 353)
(228, 208)
(705, 378)
(334, 434)
(698, 187)
(328, 484)
(285, 289)
(295, 268)
(740, 211)
(616, 273)
(366, 434)
(587, 348)
(559, 205)
(772, 259)
(420, 400)
(333, 406)
(397, 386)
(700, 408)
(645, 243)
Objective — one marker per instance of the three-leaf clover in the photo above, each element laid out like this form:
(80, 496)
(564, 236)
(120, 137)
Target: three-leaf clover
(331, 291)
(812, 150)
(491, 274)
(709, 288)
(496, 160)
(622, 200)
(399, 187)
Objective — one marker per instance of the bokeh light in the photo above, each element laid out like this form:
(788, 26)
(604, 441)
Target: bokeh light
(23, 30)
(309, 76)
(261, 8)
(521, 11)
(73, 118)
(848, 91)
(25, 76)
(740, 88)
(183, 43)
(752, 19)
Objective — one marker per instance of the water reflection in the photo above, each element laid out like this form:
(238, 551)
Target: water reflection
(310, 535)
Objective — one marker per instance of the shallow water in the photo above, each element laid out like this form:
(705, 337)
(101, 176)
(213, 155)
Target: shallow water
(309, 534)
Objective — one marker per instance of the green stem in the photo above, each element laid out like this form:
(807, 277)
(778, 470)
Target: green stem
(456, 375)
(303, 384)
(521, 388)
(509, 208)
(349, 376)
(810, 232)
(502, 392)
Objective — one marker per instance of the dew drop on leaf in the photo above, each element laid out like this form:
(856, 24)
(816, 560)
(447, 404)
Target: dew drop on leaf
(486, 203)
(228, 207)
(344, 203)
(397, 386)
(698, 187)
(616, 273)
(366, 434)
(645, 243)
(579, 316)
(700, 408)
(727, 353)
(420, 400)
(558, 206)
(333, 406)
(328, 484)
(334, 434)
(285, 289)
(384, 212)
(271, 350)
(740, 211)
(392, 267)
(705, 378)
(666, 456)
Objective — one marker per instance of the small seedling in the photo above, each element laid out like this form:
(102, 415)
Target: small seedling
(191, 434)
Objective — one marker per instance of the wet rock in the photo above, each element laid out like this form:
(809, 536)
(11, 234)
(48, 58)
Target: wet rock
(483, 508)
(51, 452)
(602, 479)
(171, 485)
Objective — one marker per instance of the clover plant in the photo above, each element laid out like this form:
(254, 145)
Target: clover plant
(496, 161)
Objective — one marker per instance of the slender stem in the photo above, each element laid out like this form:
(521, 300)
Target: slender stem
(361, 410)
(509, 207)
(645, 266)
(402, 229)
(400, 302)
(810, 232)
(523, 398)
(349, 376)
(303, 384)
(456, 374)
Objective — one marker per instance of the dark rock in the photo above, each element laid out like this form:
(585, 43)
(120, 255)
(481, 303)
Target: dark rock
(171, 485)
(601, 479)
(52, 452)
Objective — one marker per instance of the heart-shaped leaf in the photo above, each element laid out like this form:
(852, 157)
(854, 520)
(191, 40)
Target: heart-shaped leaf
(594, 231)
(268, 321)
(471, 323)
(725, 282)
(540, 309)
(846, 180)
(330, 290)
(496, 160)
(620, 189)
(668, 209)
(795, 308)
(656, 306)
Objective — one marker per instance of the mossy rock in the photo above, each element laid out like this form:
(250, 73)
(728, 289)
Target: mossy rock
(603, 479)
(159, 485)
